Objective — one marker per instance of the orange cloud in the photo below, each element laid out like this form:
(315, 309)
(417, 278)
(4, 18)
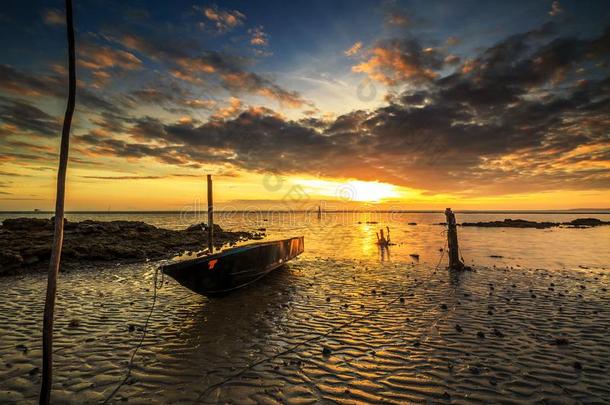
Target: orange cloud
(392, 65)
(179, 74)
(232, 110)
(224, 20)
(198, 103)
(100, 79)
(354, 49)
(97, 57)
(259, 37)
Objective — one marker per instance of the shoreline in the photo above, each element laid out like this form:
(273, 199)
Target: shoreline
(26, 242)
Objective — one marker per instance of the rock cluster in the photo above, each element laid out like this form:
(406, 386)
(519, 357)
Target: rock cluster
(522, 223)
(25, 243)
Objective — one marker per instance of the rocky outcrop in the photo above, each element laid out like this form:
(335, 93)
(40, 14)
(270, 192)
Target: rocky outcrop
(25, 243)
(522, 223)
(512, 223)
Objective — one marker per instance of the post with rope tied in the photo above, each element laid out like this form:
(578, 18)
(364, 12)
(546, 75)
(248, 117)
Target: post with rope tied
(452, 242)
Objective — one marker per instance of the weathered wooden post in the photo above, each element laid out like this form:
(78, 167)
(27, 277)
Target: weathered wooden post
(452, 242)
(58, 236)
(210, 215)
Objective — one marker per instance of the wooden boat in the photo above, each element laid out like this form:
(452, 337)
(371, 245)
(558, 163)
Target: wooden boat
(234, 268)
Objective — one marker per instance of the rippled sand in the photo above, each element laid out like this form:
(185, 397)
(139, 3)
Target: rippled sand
(410, 351)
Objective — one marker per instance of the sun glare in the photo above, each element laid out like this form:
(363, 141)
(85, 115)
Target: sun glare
(351, 190)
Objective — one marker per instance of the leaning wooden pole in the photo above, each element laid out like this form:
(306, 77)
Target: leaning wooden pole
(58, 237)
(452, 242)
(210, 215)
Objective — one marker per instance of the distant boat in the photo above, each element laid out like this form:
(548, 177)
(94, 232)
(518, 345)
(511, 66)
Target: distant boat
(234, 268)
(36, 210)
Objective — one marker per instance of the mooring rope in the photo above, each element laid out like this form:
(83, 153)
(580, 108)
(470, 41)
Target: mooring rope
(156, 287)
(291, 349)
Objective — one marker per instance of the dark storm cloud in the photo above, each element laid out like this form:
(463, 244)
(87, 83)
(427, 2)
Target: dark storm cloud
(28, 118)
(520, 117)
(51, 85)
(194, 68)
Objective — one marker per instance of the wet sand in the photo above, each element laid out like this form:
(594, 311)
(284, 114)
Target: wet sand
(523, 336)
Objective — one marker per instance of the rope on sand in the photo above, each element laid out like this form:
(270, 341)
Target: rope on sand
(144, 331)
(357, 319)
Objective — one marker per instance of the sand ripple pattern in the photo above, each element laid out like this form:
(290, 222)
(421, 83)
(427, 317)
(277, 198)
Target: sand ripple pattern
(490, 336)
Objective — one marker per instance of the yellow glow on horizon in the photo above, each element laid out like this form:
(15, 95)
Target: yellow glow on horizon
(177, 189)
(352, 190)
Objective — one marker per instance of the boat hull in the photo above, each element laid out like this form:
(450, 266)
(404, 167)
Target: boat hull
(234, 268)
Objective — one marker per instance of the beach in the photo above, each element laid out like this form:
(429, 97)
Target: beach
(330, 328)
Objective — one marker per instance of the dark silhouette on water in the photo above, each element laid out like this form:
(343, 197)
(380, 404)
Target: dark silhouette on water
(49, 307)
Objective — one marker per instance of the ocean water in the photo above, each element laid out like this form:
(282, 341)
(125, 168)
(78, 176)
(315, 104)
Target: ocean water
(348, 235)
(395, 329)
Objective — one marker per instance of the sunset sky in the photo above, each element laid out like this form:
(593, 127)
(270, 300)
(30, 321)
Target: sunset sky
(367, 104)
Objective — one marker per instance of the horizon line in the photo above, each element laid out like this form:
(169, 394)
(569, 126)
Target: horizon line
(422, 211)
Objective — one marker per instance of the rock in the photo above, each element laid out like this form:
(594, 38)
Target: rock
(586, 222)
(27, 224)
(26, 242)
(512, 223)
(10, 261)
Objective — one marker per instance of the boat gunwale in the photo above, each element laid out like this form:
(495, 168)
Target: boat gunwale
(206, 258)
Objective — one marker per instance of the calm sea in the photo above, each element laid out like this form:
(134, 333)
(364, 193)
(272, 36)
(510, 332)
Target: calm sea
(351, 235)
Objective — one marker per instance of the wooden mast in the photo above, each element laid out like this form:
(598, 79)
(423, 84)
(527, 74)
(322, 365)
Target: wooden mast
(49, 307)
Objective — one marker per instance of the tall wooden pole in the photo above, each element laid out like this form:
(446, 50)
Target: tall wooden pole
(452, 241)
(210, 215)
(58, 237)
